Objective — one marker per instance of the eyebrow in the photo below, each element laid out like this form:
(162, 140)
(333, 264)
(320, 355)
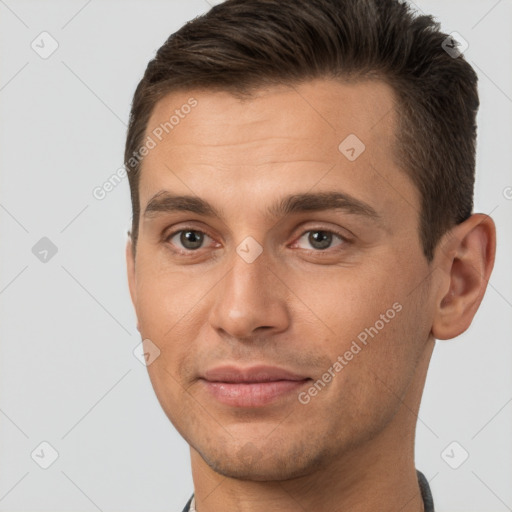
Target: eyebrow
(166, 202)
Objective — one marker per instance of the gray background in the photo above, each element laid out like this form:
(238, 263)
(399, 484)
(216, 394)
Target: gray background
(68, 373)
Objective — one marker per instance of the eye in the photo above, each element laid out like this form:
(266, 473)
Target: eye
(321, 239)
(190, 239)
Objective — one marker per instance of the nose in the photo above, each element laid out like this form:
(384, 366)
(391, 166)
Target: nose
(250, 300)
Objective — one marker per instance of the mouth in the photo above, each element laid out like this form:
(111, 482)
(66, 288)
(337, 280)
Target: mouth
(256, 386)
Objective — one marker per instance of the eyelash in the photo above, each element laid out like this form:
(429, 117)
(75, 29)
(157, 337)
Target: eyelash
(191, 252)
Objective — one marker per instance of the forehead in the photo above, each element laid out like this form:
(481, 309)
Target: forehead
(319, 110)
(286, 136)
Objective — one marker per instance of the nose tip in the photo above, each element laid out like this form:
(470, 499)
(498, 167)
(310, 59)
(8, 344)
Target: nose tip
(249, 301)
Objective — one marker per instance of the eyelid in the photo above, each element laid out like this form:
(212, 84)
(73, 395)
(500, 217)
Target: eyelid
(168, 235)
(343, 233)
(189, 225)
(344, 239)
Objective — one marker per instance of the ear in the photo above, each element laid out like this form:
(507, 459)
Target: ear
(130, 268)
(466, 258)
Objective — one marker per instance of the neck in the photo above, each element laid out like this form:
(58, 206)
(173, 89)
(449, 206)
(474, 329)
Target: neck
(377, 475)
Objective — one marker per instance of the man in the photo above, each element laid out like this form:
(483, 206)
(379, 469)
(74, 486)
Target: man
(301, 177)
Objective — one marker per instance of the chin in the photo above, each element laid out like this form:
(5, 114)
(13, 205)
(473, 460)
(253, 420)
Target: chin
(251, 462)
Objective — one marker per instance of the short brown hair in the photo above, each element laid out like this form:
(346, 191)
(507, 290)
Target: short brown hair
(242, 45)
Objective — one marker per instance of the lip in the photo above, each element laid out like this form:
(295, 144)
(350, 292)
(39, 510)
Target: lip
(255, 386)
(260, 373)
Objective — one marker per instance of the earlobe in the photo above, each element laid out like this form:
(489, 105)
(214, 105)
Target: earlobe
(466, 258)
(130, 269)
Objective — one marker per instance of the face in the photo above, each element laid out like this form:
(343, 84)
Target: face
(298, 249)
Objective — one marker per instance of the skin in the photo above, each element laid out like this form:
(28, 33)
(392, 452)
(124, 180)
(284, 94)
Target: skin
(297, 306)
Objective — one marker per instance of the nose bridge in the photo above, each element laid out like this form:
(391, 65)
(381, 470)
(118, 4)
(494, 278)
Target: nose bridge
(250, 295)
(247, 282)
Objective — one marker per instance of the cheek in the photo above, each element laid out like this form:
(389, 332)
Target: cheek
(171, 309)
(371, 322)
(348, 301)
(166, 309)
(166, 299)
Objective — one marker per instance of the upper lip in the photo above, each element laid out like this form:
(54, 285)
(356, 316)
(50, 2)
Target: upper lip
(260, 373)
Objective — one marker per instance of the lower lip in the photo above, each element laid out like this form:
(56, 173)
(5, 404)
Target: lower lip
(255, 394)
